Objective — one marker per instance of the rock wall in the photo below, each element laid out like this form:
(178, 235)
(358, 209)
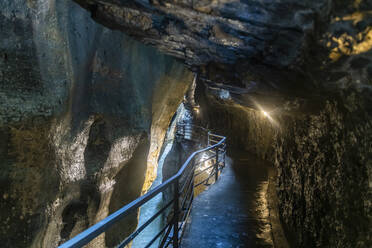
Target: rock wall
(79, 110)
(317, 129)
(324, 174)
(77, 100)
(245, 128)
(322, 152)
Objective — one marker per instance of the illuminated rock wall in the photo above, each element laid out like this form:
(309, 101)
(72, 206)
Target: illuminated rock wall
(322, 152)
(318, 133)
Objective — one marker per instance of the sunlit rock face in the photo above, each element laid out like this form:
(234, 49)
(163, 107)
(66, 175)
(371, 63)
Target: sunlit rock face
(199, 32)
(76, 120)
(165, 101)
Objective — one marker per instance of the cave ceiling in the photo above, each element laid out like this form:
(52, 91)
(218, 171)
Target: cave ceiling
(288, 47)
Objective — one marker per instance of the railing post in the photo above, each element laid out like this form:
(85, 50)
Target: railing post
(216, 165)
(208, 138)
(224, 155)
(176, 214)
(193, 178)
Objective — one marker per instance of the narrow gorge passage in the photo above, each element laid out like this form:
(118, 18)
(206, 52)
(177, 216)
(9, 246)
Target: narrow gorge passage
(233, 212)
(88, 89)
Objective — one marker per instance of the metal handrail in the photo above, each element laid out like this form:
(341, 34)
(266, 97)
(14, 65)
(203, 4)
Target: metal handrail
(92, 232)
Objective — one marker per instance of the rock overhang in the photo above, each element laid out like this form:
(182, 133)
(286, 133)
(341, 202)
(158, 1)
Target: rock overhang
(274, 33)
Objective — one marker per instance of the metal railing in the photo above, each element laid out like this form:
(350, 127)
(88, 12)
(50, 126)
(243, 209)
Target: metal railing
(182, 186)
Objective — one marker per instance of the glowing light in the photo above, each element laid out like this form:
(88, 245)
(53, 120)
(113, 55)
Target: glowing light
(196, 109)
(269, 115)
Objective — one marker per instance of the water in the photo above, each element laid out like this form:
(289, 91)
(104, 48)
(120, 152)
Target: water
(155, 204)
(151, 207)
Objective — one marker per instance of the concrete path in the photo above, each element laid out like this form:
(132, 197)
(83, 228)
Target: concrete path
(233, 212)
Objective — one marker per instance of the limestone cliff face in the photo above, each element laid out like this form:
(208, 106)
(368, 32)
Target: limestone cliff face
(77, 120)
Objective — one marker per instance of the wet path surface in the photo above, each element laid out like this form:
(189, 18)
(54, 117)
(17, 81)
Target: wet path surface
(233, 212)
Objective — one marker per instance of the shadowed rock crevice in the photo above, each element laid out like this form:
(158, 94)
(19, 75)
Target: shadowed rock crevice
(77, 215)
(134, 172)
(74, 212)
(98, 147)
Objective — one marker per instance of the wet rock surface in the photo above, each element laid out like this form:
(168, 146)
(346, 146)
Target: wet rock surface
(233, 212)
(77, 100)
(322, 154)
(77, 115)
(316, 131)
(324, 175)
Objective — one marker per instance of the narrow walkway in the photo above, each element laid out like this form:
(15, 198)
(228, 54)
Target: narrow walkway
(233, 212)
